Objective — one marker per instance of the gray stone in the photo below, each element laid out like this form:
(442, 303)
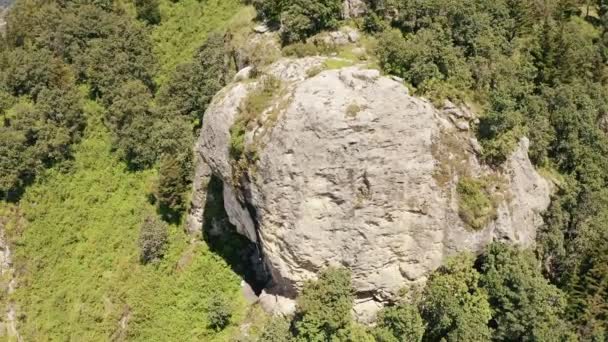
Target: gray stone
(277, 305)
(244, 74)
(262, 28)
(353, 8)
(359, 191)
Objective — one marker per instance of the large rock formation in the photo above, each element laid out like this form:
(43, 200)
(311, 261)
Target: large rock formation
(352, 170)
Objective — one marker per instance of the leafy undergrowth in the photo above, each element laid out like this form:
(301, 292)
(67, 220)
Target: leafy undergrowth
(184, 27)
(78, 261)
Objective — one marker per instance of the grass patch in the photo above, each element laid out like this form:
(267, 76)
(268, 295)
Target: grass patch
(184, 27)
(352, 110)
(337, 63)
(477, 201)
(250, 111)
(78, 266)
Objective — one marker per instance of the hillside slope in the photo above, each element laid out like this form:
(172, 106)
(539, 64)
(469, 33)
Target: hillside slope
(78, 261)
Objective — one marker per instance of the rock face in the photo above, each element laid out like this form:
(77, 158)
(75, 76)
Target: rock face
(353, 8)
(356, 172)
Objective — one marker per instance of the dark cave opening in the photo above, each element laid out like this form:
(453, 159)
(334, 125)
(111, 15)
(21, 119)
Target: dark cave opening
(244, 257)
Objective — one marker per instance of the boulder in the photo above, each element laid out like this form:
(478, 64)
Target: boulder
(353, 8)
(352, 170)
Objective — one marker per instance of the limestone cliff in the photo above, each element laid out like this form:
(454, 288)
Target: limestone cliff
(352, 170)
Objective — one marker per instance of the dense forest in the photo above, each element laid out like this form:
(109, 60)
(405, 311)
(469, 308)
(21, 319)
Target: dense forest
(101, 101)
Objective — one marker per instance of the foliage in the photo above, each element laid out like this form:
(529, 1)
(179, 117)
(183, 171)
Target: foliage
(276, 330)
(78, 256)
(525, 307)
(38, 130)
(454, 306)
(173, 180)
(152, 239)
(399, 323)
(219, 312)
(192, 85)
(323, 307)
(129, 117)
(250, 110)
(125, 55)
(147, 11)
(186, 25)
(300, 19)
(476, 201)
(423, 58)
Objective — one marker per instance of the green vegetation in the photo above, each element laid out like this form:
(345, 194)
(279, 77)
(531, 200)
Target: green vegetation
(250, 114)
(399, 323)
(219, 312)
(324, 306)
(477, 201)
(525, 306)
(300, 19)
(454, 307)
(498, 296)
(147, 11)
(537, 70)
(98, 111)
(78, 259)
(352, 110)
(185, 25)
(152, 239)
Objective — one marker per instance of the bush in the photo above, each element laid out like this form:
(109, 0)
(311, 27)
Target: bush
(147, 10)
(454, 307)
(399, 323)
(476, 202)
(219, 313)
(153, 237)
(276, 330)
(192, 85)
(173, 179)
(324, 306)
(300, 18)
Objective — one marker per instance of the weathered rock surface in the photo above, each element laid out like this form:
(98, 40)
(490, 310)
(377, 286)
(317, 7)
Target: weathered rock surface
(353, 8)
(357, 172)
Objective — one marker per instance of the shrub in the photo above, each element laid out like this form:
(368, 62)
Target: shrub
(153, 237)
(173, 179)
(276, 330)
(454, 307)
(399, 323)
(300, 18)
(324, 306)
(476, 203)
(147, 10)
(219, 312)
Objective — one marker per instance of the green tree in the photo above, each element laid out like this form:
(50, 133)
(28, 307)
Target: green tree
(192, 85)
(27, 72)
(153, 236)
(300, 18)
(324, 306)
(525, 307)
(399, 323)
(148, 11)
(125, 55)
(173, 180)
(219, 312)
(276, 330)
(454, 307)
(130, 117)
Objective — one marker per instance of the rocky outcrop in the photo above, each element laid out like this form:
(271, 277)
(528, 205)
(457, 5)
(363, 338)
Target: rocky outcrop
(353, 8)
(354, 171)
